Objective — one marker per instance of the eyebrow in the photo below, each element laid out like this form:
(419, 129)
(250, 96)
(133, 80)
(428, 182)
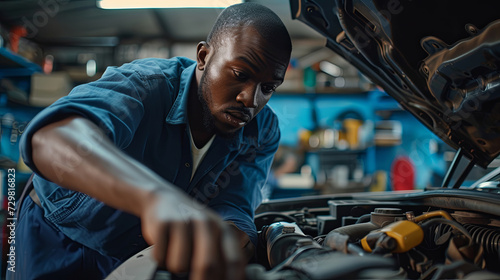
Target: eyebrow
(251, 64)
(257, 69)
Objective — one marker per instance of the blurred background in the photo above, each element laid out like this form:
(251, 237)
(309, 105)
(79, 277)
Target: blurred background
(340, 132)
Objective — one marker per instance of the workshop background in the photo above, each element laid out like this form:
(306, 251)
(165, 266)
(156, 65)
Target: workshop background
(340, 132)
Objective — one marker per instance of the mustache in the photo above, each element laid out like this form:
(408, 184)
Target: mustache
(242, 110)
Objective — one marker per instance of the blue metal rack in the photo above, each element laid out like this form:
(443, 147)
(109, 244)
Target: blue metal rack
(13, 65)
(19, 69)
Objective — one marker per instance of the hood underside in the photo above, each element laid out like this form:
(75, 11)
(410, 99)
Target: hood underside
(439, 59)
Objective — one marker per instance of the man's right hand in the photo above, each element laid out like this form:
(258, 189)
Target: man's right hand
(189, 237)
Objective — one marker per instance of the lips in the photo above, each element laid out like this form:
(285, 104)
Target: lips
(237, 117)
(244, 117)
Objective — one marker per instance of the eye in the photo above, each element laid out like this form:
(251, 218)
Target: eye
(240, 75)
(268, 89)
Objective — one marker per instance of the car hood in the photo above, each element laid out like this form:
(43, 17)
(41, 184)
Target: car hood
(439, 59)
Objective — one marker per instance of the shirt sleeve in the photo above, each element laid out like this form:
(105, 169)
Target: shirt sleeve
(114, 103)
(241, 183)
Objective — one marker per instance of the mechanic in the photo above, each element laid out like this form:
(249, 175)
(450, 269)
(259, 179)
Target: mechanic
(170, 152)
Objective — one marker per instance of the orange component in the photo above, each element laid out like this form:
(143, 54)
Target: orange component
(407, 235)
(15, 34)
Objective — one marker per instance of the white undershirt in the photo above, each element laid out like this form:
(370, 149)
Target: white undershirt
(198, 154)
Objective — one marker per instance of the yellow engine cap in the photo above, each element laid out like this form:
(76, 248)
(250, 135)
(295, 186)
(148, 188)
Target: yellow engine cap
(407, 235)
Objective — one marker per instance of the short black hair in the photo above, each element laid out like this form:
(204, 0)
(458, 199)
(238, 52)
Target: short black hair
(263, 19)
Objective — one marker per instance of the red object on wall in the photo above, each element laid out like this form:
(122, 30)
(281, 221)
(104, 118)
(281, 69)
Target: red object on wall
(15, 33)
(402, 174)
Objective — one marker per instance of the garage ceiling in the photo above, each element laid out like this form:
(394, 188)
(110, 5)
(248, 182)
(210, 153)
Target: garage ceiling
(81, 23)
(74, 31)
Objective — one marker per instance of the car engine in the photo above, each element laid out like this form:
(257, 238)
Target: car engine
(431, 235)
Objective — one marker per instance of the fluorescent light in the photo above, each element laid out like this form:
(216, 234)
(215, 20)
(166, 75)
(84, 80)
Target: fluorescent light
(330, 68)
(152, 4)
(91, 68)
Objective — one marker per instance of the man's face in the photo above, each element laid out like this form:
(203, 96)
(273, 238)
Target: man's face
(240, 75)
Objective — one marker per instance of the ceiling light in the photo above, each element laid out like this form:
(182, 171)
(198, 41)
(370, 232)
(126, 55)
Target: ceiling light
(152, 4)
(91, 68)
(330, 68)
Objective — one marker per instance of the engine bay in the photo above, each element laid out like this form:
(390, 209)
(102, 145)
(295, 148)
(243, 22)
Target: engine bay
(406, 236)
(431, 234)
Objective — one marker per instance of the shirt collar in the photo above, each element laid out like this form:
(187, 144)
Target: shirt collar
(178, 111)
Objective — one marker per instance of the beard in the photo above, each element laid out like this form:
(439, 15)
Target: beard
(205, 98)
(207, 118)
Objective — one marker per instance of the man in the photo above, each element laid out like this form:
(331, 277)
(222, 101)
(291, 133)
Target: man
(169, 152)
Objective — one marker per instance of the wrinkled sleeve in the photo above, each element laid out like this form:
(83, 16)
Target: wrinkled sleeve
(242, 182)
(114, 103)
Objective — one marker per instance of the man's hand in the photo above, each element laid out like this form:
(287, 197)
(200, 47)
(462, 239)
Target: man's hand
(189, 237)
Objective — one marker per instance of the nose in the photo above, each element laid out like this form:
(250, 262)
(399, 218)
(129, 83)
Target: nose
(248, 96)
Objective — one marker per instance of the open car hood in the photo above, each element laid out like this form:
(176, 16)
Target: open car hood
(439, 59)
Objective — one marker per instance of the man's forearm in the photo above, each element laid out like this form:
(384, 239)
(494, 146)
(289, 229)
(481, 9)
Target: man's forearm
(74, 153)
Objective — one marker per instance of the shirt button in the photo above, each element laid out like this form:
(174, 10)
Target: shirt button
(187, 164)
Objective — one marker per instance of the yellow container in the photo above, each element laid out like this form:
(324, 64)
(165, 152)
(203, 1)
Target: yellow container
(351, 127)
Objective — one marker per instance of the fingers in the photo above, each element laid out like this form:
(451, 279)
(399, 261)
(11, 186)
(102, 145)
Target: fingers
(160, 248)
(180, 244)
(207, 262)
(216, 252)
(201, 244)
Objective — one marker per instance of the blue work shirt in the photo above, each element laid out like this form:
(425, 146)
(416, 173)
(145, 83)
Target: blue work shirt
(142, 108)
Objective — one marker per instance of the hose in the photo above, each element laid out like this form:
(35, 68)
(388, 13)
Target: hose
(432, 214)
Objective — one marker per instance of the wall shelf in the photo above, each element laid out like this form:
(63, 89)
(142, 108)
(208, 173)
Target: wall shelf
(13, 65)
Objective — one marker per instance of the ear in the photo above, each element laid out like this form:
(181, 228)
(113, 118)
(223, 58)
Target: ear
(202, 51)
